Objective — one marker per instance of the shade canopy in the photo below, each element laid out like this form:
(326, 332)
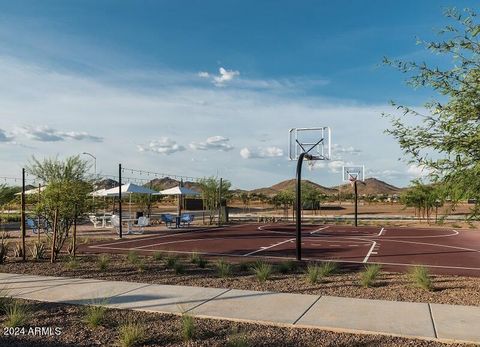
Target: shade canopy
(129, 188)
(178, 191)
(32, 191)
(100, 192)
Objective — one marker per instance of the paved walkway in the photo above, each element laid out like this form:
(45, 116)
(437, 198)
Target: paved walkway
(427, 321)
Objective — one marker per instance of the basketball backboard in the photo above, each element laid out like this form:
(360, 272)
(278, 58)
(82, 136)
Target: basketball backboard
(316, 141)
(353, 173)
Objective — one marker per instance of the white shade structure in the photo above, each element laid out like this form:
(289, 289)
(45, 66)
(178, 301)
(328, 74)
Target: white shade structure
(177, 191)
(32, 191)
(100, 192)
(129, 188)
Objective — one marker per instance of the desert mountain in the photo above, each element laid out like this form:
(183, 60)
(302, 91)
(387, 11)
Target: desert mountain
(371, 186)
(290, 185)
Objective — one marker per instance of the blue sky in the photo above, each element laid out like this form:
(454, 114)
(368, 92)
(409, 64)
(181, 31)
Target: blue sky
(206, 87)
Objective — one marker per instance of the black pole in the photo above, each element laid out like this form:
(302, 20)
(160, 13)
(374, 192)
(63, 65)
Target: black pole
(298, 205)
(120, 199)
(220, 203)
(24, 230)
(356, 202)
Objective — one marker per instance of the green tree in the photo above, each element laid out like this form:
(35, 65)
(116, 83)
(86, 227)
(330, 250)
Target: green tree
(311, 197)
(210, 189)
(446, 140)
(286, 199)
(65, 197)
(424, 198)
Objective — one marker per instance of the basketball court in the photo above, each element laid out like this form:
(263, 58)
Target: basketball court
(444, 251)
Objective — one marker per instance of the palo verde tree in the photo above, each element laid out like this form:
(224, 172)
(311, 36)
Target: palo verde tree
(446, 139)
(211, 191)
(65, 197)
(424, 198)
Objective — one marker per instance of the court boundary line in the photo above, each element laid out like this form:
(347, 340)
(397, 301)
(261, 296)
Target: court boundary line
(369, 252)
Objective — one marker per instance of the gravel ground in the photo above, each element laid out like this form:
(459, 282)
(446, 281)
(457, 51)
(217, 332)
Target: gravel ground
(390, 286)
(165, 330)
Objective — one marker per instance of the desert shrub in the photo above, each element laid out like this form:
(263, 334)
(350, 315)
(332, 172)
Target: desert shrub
(3, 249)
(188, 327)
(5, 300)
(94, 314)
(237, 339)
(420, 276)
(262, 271)
(132, 257)
(314, 273)
(72, 263)
(194, 257)
(328, 268)
(202, 262)
(158, 256)
(38, 250)
(369, 275)
(223, 268)
(179, 268)
(140, 265)
(18, 250)
(170, 261)
(286, 267)
(103, 262)
(18, 314)
(131, 334)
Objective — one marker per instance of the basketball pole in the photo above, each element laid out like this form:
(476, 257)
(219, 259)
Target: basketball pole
(120, 231)
(356, 202)
(298, 204)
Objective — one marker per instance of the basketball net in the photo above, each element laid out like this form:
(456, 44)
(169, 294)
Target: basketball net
(310, 164)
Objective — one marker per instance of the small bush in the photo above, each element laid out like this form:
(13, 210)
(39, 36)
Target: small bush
(202, 262)
(140, 265)
(4, 300)
(132, 257)
(3, 249)
(244, 267)
(237, 339)
(170, 261)
(369, 275)
(72, 263)
(38, 250)
(262, 271)
(286, 267)
(17, 313)
(188, 327)
(158, 256)
(179, 268)
(194, 257)
(94, 314)
(18, 250)
(103, 262)
(131, 334)
(224, 269)
(328, 268)
(314, 273)
(420, 276)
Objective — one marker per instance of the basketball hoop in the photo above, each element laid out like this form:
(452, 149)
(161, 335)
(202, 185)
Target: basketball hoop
(352, 181)
(310, 164)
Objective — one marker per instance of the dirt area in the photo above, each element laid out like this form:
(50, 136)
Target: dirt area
(166, 330)
(345, 282)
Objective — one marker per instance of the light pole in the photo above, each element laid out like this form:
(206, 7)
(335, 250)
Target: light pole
(95, 174)
(94, 162)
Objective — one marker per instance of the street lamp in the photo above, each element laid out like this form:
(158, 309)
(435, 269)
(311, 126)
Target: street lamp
(94, 162)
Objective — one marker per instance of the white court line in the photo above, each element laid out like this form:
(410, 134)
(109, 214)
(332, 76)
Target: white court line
(320, 229)
(381, 231)
(435, 244)
(369, 252)
(455, 233)
(265, 248)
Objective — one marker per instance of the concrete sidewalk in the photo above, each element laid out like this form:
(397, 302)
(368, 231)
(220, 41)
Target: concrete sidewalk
(426, 321)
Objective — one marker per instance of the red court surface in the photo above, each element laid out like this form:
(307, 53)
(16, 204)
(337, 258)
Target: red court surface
(444, 251)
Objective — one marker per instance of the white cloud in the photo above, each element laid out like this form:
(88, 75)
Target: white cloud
(261, 152)
(418, 171)
(219, 143)
(336, 148)
(48, 134)
(5, 137)
(223, 76)
(163, 145)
